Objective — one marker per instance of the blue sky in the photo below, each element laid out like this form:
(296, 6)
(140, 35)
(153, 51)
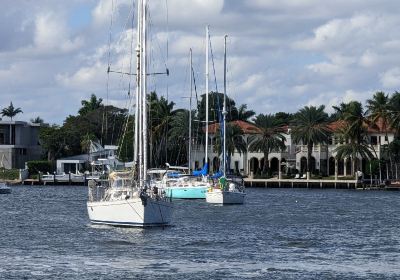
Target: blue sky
(282, 55)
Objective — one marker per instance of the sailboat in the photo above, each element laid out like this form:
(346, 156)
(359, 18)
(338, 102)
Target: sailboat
(192, 186)
(128, 198)
(228, 190)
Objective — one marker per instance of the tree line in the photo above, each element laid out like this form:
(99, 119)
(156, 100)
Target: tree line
(169, 134)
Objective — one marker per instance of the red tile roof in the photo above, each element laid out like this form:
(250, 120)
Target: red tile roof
(247, 128)
(377, 128)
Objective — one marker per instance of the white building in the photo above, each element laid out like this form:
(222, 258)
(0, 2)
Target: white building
(294, 157)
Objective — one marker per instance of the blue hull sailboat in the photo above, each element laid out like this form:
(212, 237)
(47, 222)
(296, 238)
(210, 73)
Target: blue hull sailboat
(188, 186)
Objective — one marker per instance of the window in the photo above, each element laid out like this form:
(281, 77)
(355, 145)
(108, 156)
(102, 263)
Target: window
(374, 140)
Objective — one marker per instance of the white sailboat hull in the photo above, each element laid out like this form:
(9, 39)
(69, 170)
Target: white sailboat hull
(131, 212)
(225, 197)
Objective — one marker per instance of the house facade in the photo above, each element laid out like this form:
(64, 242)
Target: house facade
(19, 142)
(294, 158)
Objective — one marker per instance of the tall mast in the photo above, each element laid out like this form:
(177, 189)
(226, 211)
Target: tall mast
(190, 112)
(224, 112)
(207, 74)
(137, 108)
(140, 104)
(144, 92)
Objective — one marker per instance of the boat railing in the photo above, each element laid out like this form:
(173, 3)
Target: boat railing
(97, 190)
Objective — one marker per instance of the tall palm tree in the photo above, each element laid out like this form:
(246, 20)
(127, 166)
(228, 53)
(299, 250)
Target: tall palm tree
(241, 113)
(234, 141)
(179, 132)
(161, 112)
(269, 139)
(378, 110)
(354, 133)
(10, 111)
(394, 106)
(310, 126)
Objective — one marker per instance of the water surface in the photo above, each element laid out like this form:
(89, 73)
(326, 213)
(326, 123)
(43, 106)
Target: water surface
(277, 234)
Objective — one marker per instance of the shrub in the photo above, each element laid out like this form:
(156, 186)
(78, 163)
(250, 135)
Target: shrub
(9, 174)
(39, 165)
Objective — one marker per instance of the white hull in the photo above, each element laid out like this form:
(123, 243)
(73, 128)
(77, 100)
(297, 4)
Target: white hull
(131, 212)
(225, 197)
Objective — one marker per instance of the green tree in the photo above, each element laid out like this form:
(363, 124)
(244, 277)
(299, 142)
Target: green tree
(394, 105)
(38, 120)
(215, 102)
(92, 104)
(179, 135)
(354, 133)
(53, 141)
(310, 127)
(378, 111)
(269, 139)
(241, 113)
(10, 111)
(234, 141)
(161, 113)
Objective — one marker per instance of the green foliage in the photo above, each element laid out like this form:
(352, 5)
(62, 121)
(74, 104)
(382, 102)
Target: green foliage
(215, 102)
(234, 140)
(37, 120)
(9, 174)
(241, 113)
(53, 141)
(10, 111)
(310, 126)
(36, 166)
(372, 167)
(90, 105)
(270, 139)
(125, 144)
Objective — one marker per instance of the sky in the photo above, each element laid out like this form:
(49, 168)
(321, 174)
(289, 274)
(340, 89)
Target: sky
(281, 55)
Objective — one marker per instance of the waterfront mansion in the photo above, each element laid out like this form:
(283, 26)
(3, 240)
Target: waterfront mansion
(293, 159)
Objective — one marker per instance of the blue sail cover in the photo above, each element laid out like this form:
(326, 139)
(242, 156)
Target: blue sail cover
(202, 172)
(217, 175)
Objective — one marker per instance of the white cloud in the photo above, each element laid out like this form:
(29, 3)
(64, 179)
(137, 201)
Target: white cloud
(391, 78)
(51, 33)
(282, 55)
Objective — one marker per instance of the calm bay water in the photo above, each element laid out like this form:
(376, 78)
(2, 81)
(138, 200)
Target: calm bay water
(278, 234)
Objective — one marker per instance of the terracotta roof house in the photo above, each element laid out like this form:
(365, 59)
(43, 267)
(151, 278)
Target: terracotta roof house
(294, 158)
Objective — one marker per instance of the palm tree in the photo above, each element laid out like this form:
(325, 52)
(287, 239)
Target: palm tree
(180, 133)
(90, 105)
(394, 106)
(234, 141)
(310, 126)
(10, 111)
(161, 112)
(354, 133)
(378, 108)
(379, 111)
(241, 113)
(37, 120)
(269, 139)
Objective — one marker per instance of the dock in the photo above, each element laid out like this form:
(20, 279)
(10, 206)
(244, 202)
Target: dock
(303, 183)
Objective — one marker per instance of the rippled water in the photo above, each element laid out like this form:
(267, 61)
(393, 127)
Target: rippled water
(277, 234)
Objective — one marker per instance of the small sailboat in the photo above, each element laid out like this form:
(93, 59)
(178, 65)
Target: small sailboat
(128, 198)
(4, 189)
(228, 190)
(192, 186)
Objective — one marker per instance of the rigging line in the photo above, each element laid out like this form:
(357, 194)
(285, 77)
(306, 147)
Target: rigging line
(130, 69)
(103, 127)
(197, 103)
(215, 81)
(166, 72)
